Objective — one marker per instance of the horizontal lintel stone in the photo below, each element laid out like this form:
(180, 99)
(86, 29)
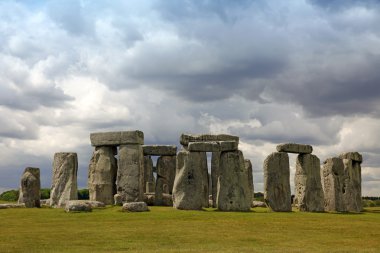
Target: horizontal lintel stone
(158, 150)
(117, 138)
(185, 139)
(355, 156)
(295, 148)
(213, 146)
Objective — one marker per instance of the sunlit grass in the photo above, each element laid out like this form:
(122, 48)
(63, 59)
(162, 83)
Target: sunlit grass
(165, 229)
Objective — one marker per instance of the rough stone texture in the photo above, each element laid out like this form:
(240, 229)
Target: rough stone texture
(248, 167)
(158, 150)
(149, 180)
(150, 199)
(30, 188)
(187, 191)
(64, 182)
(234, 193)
(333, 180)
(102, 174)
(166, 167)
(352, 194)
(130, 173)
(277, 193)
(355, 156)
(309, 195)
(11, 205)
(45, 202)
(213, 146)
(117, 138)
(295, 148)
(258, 204)
(77, 206)
(205, 185)
(135, 207)
(118, 199)
(215, 159)
(185, 139)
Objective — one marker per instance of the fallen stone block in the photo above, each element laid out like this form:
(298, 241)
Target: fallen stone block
(159, 150)
(258, 204)
(295, 148)
(77, 206)
(11, 205)
(135, 207)
(117, 138)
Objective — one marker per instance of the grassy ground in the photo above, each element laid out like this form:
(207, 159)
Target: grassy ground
(165, 229)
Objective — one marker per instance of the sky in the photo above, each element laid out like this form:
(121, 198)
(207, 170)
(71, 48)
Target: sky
(268, 71)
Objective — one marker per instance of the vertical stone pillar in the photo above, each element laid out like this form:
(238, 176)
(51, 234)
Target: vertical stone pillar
(130, 173)
(30, 188)
(309, 195)
(205, 186)
(187, 191)
(233, 188)
(149, 180)
(248, 167)
(102, 174)
(64, 182)
(333, 188)
(277, 193)
(215, 158)
(166, 167)
(352, 194)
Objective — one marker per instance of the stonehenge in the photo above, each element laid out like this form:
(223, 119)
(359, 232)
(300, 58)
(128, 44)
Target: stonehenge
(64, 182)
(30, 188)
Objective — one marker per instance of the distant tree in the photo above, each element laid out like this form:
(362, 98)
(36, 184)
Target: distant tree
(45, 193)
(83, 194)
(11, 195)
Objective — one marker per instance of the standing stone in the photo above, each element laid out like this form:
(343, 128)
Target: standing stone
(309, 195)
(205, 185)
(277, 193)
(187, 191)
(149, 180)
(64, 183)
(102, 174)
(333, 180)
(248, 167)
(130, 173)
(166, 166)
(215, 159)
(352, 194)
(30, 188)
(234, 193)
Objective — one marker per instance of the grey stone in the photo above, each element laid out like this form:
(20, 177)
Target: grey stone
(102, 174)
(149, 180)
(11, 205)
(233, 188)
(258, 204)
(117, 138)
(185, 139)
(135, 207)
(333, 180)
(45, 202)
(309, 195)
(64, 182)
(166, 167)
(355, 156)
(213, 146)
(158, 150)
(205, 185)
(352, 194)
(215, 159)
(187, 191)
(277, 193)
(118, 199)
(248, 167)
(30, 188)
(295, 148)
(130, 173)
(150, 187)
(77, 206)
(150, 198)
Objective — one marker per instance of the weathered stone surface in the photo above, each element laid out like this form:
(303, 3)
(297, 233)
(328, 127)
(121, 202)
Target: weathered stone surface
(150, 199)
(213, 146)
(166, 167)
(205, 185)
(215, 159)
(30, 188)
(258, 204)
(355, 156)
(185, 139)
(45, 202)
(77, 206)
(277, 193)
(11, 205)
(117, 138)
(248, 167)
(130, 173)
(135, 207)
(309, 195)
(234, 193)
(158, 150)
(295, 148)
(188, 191)
(102, 174)
(149, 180)
(352, 194)
(64, 182)
(118, 199)
(333, 180)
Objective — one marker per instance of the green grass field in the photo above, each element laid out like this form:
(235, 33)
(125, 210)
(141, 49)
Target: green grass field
(165, 229)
